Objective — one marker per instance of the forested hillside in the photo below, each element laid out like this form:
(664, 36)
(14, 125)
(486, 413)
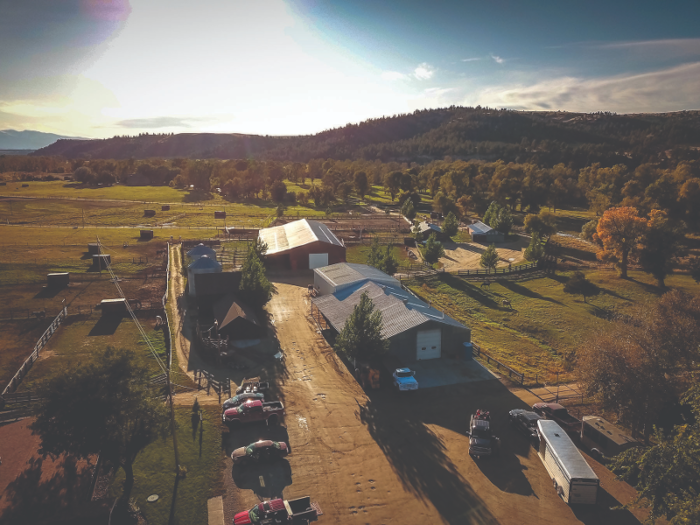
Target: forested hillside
(543, 138)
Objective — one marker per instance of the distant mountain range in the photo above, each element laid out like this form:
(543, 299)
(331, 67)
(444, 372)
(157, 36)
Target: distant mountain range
(547, 138)
(28, 140)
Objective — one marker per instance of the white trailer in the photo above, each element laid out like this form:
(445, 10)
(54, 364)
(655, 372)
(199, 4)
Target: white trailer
(573, 478)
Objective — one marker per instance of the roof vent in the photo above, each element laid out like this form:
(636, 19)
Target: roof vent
(405, 301)
(557, 435)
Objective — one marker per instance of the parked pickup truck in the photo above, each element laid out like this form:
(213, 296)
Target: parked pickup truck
(482, 442)
(559, 414)
(301, 511)
(252, 385)
(242, 398)
(252, 411)
(404, 379)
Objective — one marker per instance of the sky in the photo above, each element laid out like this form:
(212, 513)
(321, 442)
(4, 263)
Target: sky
(99, 68)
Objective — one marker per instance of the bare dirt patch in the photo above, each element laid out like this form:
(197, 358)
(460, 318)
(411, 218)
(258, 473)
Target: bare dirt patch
(463, 256)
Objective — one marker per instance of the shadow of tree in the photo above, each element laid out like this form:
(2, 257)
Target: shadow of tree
(526, 292)
(198, 196)
(414, 451)
(469, 289)
(53, 500)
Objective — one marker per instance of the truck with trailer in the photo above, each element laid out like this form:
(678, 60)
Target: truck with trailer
(560, 414)
(253, 411)
(573, 478)
(300, 511)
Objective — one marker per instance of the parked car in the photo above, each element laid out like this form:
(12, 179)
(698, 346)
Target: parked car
(300, 511)
(404, 379)
(262, 450)
(252, 411)
(482, 442)
(559, 414)
(526, 422)
(242, 398)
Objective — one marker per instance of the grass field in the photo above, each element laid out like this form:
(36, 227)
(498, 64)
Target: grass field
(358, 254)
(84, 336)
(545, 324)
(182, 501)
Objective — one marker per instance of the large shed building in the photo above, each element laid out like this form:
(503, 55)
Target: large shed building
(415, 330)
(204, 264)
(302, 245)
(484, 234)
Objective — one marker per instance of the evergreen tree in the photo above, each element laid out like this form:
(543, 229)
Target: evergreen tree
(535, 251)
(433, 250)
(408, 210)
(390, 263)
(361, 337)
(503, 222)
(255, 289)
(451, 225)
(489, 259)
(491, 214)
(375, 257)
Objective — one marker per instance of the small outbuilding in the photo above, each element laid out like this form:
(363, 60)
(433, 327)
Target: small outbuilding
(428, 228)
(220, 214)
(101, 261)
(113, 306)
(165, 207)
(204, 264)
(149, 213)
(57, 280)
(236, 320)
(93, 248)
(146, 235)
(484, 234)
(201, 250)
(302, 245)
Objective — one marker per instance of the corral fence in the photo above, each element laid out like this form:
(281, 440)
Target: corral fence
(422, 270)
(166, 319)
(512, 374)
(27, 365)
(221, 387)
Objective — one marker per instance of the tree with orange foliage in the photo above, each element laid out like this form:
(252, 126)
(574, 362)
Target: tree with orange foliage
(620, 231)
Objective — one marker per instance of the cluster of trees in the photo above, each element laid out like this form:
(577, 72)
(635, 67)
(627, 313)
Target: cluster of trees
(382, 258)
(623, 236)
(641, 367)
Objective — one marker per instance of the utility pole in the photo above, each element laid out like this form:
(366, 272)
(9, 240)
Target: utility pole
(172, 423)
(83, 210)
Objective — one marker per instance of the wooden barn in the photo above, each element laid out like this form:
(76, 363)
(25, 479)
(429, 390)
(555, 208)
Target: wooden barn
(302, 245)
(236, 320)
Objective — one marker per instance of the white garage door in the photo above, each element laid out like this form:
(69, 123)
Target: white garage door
(318, 260)
(429, 344)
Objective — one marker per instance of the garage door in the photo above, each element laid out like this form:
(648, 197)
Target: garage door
(429, 344)
(318, 260)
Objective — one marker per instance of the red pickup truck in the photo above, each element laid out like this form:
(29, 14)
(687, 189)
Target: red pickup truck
(559, 414)
(254, 410)
(301, 511)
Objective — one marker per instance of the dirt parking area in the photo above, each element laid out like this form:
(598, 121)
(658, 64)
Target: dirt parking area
(463, 256)
(388, 458)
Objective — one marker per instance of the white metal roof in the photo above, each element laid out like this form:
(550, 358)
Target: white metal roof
(563, 449)
(296, 233)
(429, 226)
(341, 274)
(400, 309)
(479, 228)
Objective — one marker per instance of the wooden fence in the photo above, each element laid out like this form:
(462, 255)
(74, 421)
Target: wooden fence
(478, 352)
(27, 365)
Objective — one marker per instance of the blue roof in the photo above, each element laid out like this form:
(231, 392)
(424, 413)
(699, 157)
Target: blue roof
(204, 262)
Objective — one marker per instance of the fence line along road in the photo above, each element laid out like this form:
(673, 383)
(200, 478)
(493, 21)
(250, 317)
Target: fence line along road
(24, 369)
(478, 352)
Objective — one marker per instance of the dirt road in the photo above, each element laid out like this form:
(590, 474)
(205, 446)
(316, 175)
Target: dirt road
(388, 458)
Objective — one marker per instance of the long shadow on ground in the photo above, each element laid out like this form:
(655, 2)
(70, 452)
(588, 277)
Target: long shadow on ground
(521, 290)
(469, 289)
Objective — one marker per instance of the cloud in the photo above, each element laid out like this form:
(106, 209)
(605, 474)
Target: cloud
(158, 122)
(393, 75)
(424, 71)
(680, 44)
(437, 92)
(498, 59)
(671, 89)
(471, 59)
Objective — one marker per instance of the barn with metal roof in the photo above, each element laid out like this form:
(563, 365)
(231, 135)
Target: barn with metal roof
(483, 233)
(415, 329)
(301, 245)
(336, 277)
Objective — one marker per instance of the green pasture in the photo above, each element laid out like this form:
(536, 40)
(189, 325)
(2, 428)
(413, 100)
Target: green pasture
(63, 189)
(544, 324)
(358, 254)
(180, 501)
(84, 336)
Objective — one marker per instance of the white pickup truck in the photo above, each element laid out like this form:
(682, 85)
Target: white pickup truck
(404, 379)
